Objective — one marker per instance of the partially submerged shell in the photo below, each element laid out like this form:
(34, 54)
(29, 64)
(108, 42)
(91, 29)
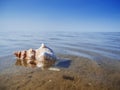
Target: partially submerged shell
(41, 57)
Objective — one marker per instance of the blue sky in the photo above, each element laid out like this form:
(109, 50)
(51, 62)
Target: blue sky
(60, 15)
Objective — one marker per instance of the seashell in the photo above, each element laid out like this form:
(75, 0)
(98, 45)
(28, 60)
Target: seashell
(42, 57)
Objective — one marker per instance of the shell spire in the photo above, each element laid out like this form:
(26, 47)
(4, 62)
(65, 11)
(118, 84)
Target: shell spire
(43, 45)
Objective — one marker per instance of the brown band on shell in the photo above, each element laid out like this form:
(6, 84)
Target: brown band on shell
(34, 54)
(25, 55)
(19, 54)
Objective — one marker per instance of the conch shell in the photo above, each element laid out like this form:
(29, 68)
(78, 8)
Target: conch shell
(41, 57)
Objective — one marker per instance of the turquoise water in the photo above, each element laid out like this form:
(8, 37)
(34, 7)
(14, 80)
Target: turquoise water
(91, 45)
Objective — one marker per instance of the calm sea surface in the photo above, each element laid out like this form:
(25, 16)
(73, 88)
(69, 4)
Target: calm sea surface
(90, 45)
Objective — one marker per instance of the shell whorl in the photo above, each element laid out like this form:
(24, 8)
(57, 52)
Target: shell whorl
(43, 45)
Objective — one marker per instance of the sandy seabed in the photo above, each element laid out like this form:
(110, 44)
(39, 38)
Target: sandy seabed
(81, 74)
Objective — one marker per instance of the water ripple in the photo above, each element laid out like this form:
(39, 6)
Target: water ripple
(90, 45)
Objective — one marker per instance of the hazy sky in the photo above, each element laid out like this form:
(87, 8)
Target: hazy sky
(59, 15)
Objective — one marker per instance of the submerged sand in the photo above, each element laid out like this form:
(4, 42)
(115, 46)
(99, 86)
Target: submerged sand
(81, 74)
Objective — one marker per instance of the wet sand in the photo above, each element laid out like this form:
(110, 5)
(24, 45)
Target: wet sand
(81, 74)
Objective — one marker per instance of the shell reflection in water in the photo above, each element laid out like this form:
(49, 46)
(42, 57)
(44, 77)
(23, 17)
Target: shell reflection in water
(24, 63)
(34, 63)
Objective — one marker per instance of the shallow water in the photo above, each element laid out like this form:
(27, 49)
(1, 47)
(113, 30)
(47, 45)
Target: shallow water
(90, 45)
(89, 61)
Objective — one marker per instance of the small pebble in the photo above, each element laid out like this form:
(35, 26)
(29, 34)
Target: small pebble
(68, 77)
(50, 80)
(29, 76)
(89, 84)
